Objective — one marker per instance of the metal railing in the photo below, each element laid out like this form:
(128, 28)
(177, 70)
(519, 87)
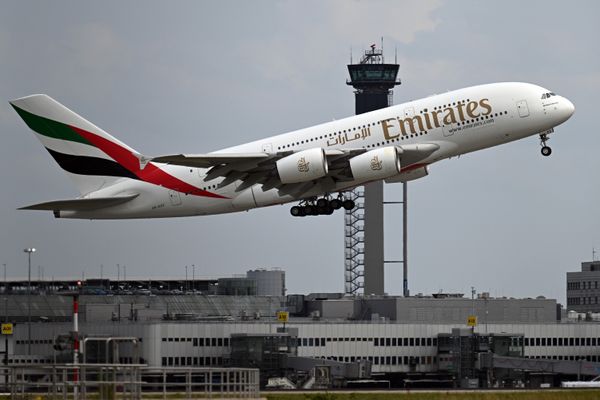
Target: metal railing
(127, 381)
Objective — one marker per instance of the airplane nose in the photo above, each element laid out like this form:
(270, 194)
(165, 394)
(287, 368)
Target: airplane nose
(569, 107)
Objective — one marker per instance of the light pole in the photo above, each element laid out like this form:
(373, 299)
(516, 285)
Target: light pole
(29, 250)
(5, 321)
(185, 287)
(193, 278)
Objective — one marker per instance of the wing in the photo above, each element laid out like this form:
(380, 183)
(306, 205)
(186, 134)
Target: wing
(80, 204)
(260, 168)
(210, 160)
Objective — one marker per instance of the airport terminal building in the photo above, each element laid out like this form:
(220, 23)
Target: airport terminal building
(413, 339)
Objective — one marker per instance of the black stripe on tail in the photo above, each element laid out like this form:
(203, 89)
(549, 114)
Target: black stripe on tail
(84, 165)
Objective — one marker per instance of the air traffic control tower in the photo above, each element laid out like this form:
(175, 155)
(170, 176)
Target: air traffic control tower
(373, 81)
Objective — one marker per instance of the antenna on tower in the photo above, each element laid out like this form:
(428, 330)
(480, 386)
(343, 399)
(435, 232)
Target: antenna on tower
(350, 54)
(594, 252)
(395, 54)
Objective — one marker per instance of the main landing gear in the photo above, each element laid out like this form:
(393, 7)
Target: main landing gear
(546, 150)
(322, 206)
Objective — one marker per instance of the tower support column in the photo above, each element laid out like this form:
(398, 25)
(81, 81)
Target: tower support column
(374, 239)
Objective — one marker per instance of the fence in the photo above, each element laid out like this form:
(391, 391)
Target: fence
(128, 381)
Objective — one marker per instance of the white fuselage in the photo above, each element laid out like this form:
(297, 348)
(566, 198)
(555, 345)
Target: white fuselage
(459, 122)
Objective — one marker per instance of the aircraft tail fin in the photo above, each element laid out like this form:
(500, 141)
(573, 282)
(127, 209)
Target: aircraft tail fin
(90, 156)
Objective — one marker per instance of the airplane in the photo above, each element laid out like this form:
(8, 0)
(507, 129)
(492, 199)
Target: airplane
(314, 166)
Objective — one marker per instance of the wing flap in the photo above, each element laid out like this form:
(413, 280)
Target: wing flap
(80, 204)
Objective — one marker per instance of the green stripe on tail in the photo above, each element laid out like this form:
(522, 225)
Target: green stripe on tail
(52, 129)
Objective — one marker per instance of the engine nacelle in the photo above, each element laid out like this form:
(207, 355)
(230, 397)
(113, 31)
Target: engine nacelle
(303, 166)
(410, 175)
(376, 164)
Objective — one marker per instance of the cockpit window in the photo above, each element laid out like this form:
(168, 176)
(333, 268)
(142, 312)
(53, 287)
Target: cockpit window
(547, 95)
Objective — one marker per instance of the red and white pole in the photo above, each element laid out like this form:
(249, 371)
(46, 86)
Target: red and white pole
(75, 343)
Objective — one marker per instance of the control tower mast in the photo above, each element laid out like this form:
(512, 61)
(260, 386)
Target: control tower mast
(373, 81)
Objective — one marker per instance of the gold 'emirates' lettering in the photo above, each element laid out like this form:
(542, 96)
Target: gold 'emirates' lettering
(447, 116)
(385, 125)
(411, 124)
(471, 107)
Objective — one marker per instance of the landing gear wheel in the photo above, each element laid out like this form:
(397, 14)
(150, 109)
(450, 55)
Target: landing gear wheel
(546, 151)
(335, 204)
(308, 209)
(322, 203)
(348, 205)
(296, 211)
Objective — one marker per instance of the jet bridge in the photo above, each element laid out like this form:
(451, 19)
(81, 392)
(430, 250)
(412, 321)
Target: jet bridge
(580, 367)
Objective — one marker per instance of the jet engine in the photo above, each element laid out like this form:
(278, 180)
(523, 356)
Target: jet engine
(410, 175)
(303, 166)
(376, 164)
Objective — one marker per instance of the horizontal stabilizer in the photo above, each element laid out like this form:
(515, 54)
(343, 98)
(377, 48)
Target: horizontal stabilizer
(81, 204)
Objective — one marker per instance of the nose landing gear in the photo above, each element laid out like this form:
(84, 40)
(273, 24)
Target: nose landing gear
(546, 150)
(322, 206)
